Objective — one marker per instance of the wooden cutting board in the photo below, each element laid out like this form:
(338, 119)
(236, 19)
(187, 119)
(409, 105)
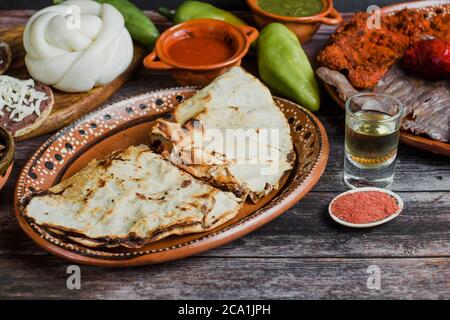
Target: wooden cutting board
(68, 107)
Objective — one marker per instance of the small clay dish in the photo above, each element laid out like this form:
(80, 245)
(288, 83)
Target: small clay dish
(371, 224)
(7, 157)
(303, 27)
(178, 50)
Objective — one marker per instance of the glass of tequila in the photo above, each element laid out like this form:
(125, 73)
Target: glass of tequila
(372, 123)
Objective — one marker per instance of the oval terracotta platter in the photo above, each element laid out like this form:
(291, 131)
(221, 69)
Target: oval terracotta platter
(416, 141)
(119, 125)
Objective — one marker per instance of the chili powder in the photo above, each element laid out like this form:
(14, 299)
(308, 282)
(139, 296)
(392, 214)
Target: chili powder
(364, 206)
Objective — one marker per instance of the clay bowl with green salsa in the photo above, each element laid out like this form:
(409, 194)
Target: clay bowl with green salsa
(303, 17)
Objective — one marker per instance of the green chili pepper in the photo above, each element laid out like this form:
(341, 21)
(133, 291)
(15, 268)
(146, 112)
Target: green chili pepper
(140, 27)
(284, 66)
(189, 10)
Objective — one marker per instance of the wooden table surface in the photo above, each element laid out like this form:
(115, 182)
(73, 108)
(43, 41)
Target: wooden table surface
(302, 254)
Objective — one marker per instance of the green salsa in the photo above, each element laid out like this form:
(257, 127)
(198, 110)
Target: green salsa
(292, 8)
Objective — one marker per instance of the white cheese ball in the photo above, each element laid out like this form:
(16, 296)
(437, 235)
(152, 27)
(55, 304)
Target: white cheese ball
(77, 45)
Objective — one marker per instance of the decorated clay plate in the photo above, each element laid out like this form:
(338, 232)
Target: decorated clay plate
(416, 141)
(119, 125)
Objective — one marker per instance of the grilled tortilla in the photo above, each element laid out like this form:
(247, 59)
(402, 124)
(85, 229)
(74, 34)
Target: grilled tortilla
(230, 134)
(130, 198)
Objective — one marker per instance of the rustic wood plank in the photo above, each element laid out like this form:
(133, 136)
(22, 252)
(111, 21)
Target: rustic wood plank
(307, 231)
(255, 278)
(416, 169)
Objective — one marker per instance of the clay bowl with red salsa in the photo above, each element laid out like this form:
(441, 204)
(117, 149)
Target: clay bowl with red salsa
(6, 155)
(303, 17)
(197, 51)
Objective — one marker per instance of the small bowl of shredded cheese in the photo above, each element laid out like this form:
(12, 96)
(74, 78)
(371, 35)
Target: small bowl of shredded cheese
(6, 155)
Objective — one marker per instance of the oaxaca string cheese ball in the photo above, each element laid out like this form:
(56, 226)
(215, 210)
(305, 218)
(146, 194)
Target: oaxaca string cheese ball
(77, 45)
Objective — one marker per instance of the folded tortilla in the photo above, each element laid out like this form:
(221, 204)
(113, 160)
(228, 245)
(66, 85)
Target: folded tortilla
(130, 198)
(231, 134)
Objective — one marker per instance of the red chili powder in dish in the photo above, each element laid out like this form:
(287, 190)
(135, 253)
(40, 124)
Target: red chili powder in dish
(364, 206)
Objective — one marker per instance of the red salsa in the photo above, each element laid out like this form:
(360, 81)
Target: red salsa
(194, 51)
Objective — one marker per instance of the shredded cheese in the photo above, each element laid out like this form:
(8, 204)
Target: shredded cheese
(19, 98)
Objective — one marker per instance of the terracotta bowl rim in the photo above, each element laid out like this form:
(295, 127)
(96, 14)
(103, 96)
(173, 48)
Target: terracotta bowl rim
(328, 7)
(8, 157)
(238, 55)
